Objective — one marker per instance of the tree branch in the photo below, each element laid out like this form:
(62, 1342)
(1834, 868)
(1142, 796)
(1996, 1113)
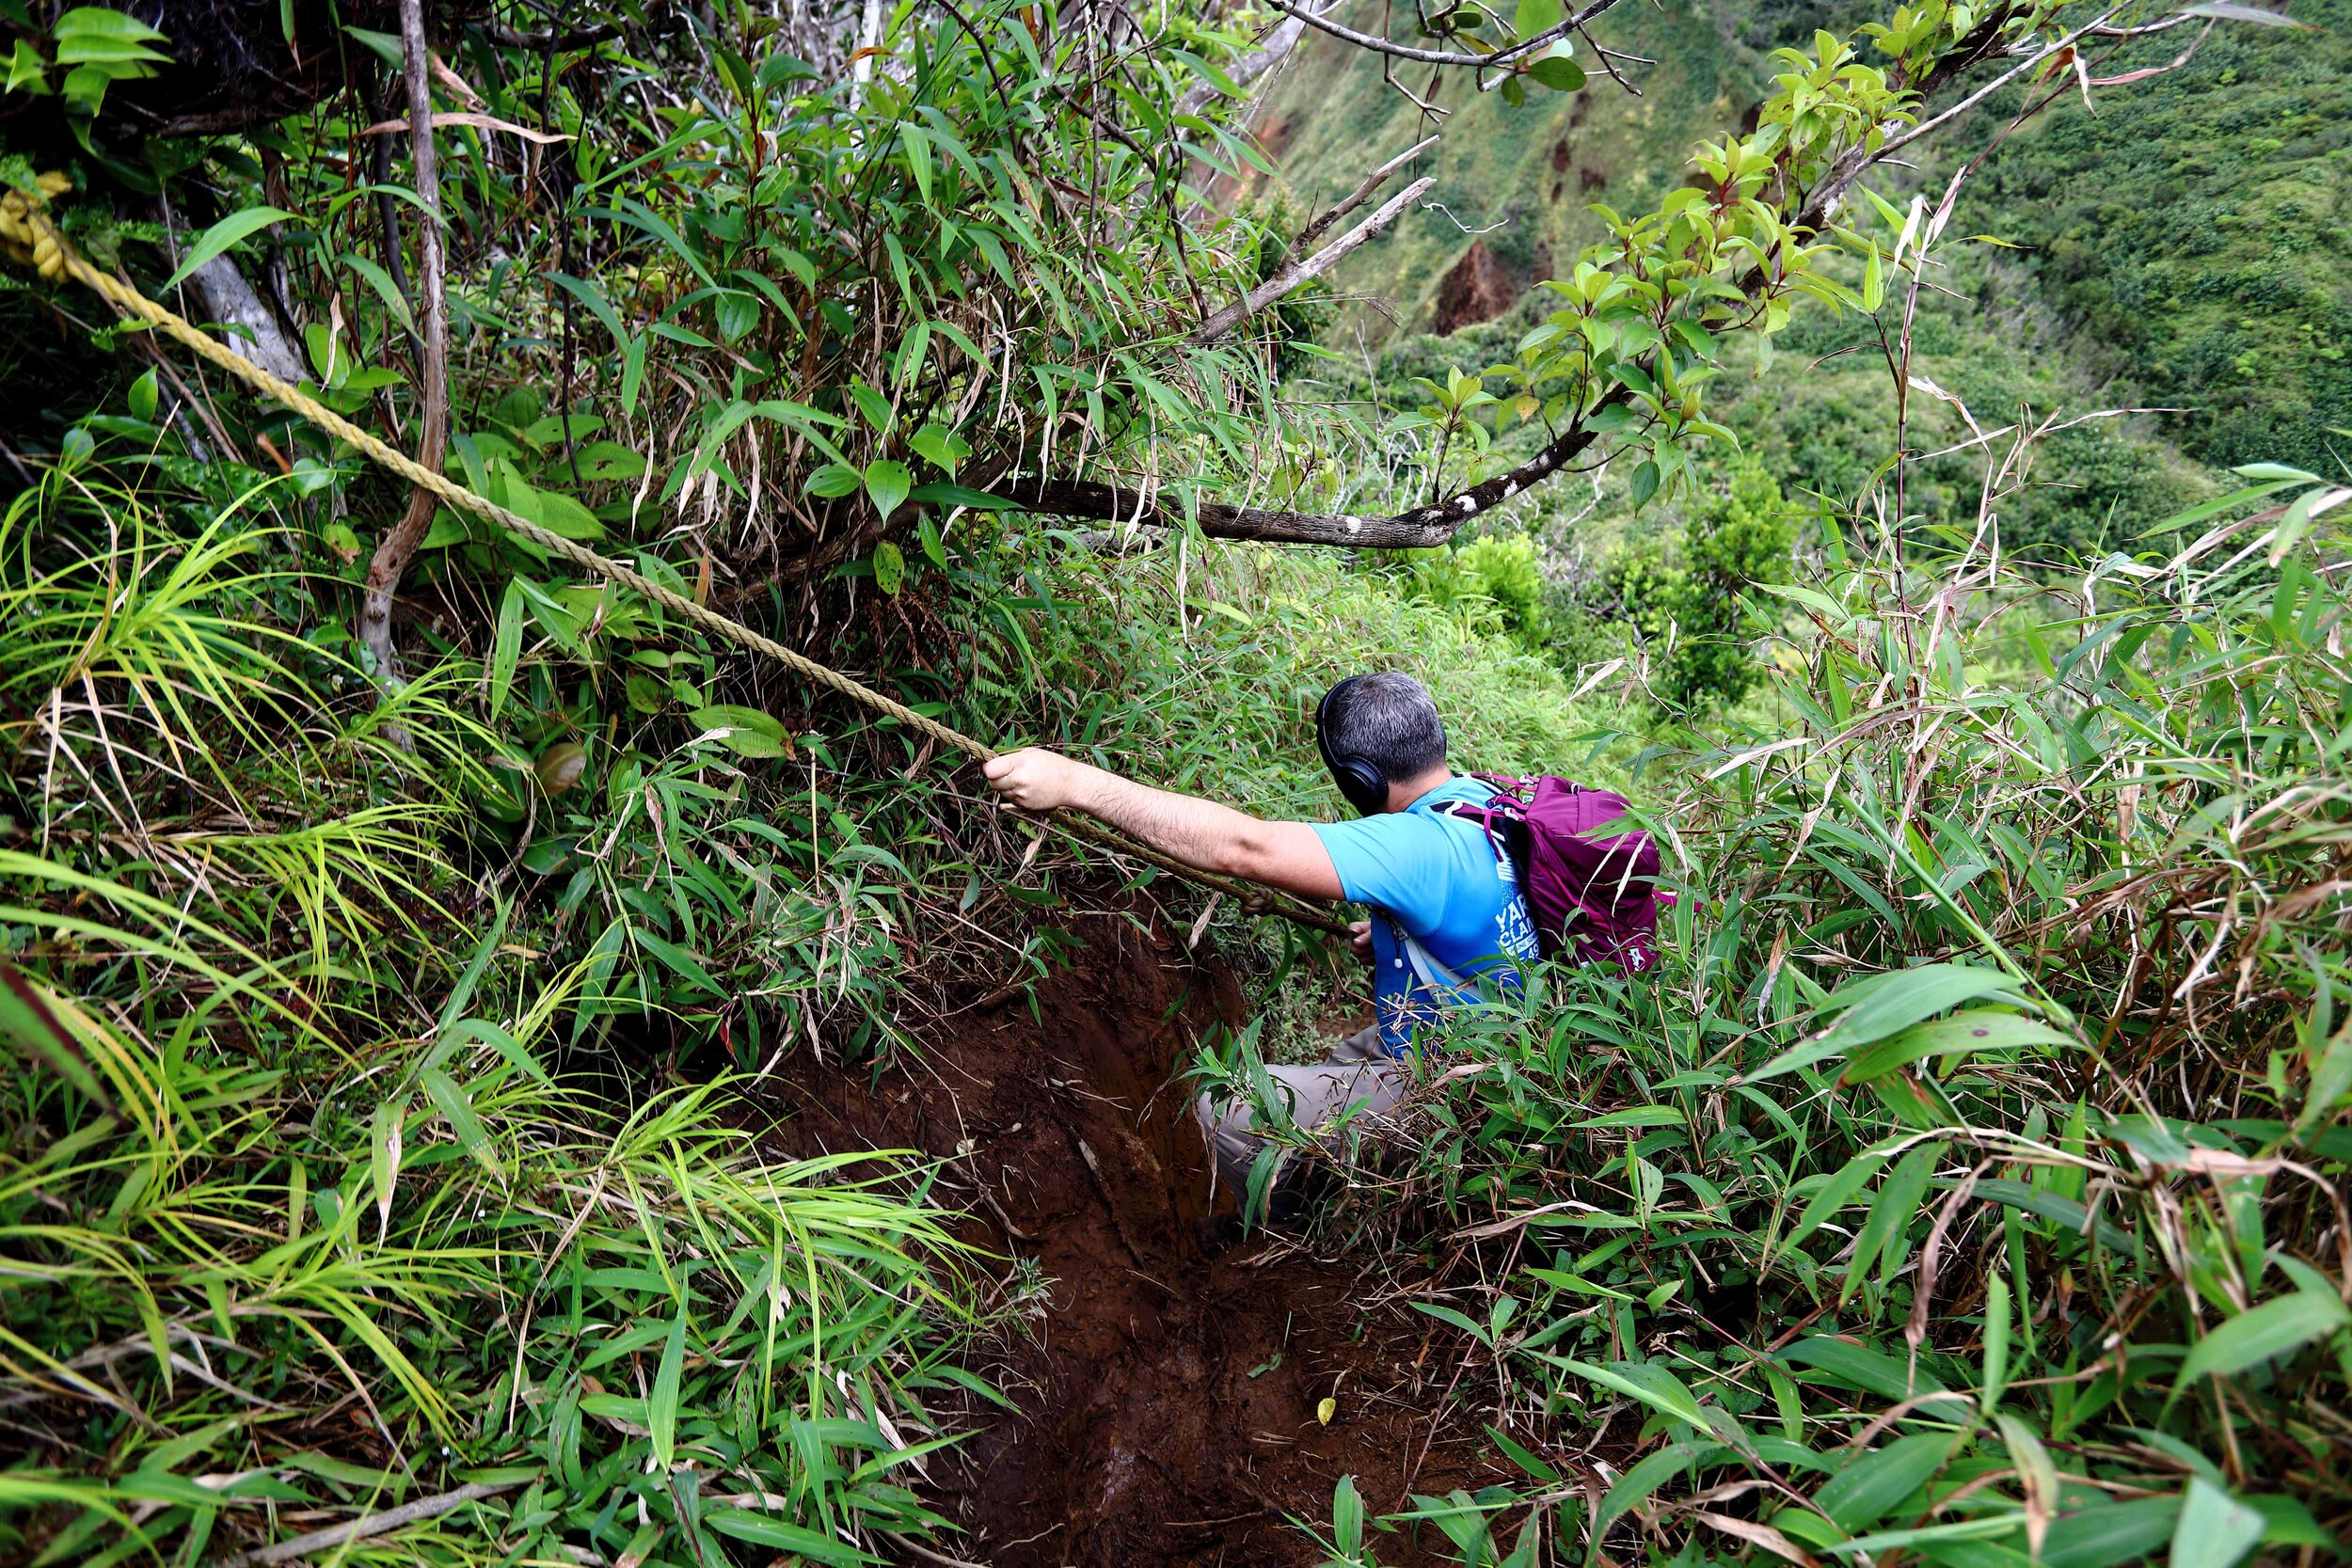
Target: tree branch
(1299, 273)
(373, 1523)
(399, 547)
(1443, 57)
(539, 43)
(1419, 528)
(1355, 198)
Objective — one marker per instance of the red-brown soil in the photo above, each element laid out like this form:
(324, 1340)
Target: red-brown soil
(1168, 1394)
(1478, 289)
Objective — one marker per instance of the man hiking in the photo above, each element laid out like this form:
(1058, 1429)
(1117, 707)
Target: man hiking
(1447, 909)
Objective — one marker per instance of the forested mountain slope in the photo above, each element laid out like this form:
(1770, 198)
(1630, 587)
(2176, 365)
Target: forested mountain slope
(2187, 246)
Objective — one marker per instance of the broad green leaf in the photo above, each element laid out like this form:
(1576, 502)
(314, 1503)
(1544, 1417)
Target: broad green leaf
(919, 147)
(1459, 1320)
(102, 22)
(1638, 1116)
(381, 282)
(1532, 1464)
(944, 448)
(890, 568)
(506, 647)
(2067, 1211)
(735, 313)
(1558, 73)
(1869, 1487)
(731, 715)
(1997, 1328)
(2264, 1333)
(941, 493)
(456, 1108)
(833, 479)
(2106, 1534)
(2287, 1523)
(1884, 1004)
(2035, 1473)
(887, 482)
(2214, 1529)
(661, 1405)
(1347, 1516)
(1975, 1029)
(1645, 478)
(874, 406)
(1653, 1471)
(1872, 1371)
(1536, 16)
(219, 237)
(1641, 1380)
(1891, 1214)
(468, 1030)
(764, 1529)
(677, 960)
(2298, 517)
(933, 547)
(27, 71)
(459, 997)
(1835, 1194)
(1960, 1531)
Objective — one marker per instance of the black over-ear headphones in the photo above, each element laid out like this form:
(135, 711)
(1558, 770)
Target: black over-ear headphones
(1365, 785)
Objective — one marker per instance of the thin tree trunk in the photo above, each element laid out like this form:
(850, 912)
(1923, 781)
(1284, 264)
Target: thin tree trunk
(868, 37)
(400, 546)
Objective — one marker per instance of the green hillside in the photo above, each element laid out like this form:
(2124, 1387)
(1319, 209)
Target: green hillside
(2184, 247)
(1534, 169)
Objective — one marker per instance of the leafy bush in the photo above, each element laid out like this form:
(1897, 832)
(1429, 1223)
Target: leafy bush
(297, 1189)
(1682, 602)
(1498, 572)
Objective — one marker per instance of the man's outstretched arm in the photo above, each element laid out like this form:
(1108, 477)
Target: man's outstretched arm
(1201, 833)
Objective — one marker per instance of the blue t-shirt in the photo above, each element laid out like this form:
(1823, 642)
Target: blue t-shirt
(1447, 911)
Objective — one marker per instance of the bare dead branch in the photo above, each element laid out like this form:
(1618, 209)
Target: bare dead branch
(399, 547)
(373, 1523)
(540, 43)
(1356, 197)
(1418, 528)
(1443, 57)
(1300, 273)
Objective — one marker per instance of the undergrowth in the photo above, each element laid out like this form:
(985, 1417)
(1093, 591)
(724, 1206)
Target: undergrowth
(1966, 1185)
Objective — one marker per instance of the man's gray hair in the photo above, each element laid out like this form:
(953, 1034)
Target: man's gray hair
(1387, 719)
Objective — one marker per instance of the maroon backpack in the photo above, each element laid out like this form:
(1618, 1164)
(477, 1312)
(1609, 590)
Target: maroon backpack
(1589, 877)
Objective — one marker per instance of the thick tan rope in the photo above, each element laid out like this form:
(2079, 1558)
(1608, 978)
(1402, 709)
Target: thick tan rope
(132, 303)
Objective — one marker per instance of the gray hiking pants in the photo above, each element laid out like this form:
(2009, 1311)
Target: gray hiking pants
(1358, 1072)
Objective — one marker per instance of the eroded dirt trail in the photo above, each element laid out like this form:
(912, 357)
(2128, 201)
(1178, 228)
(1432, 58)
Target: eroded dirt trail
(1168, 1397)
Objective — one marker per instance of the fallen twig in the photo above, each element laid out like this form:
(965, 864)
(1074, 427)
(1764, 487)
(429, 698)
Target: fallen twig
(370, 1524)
